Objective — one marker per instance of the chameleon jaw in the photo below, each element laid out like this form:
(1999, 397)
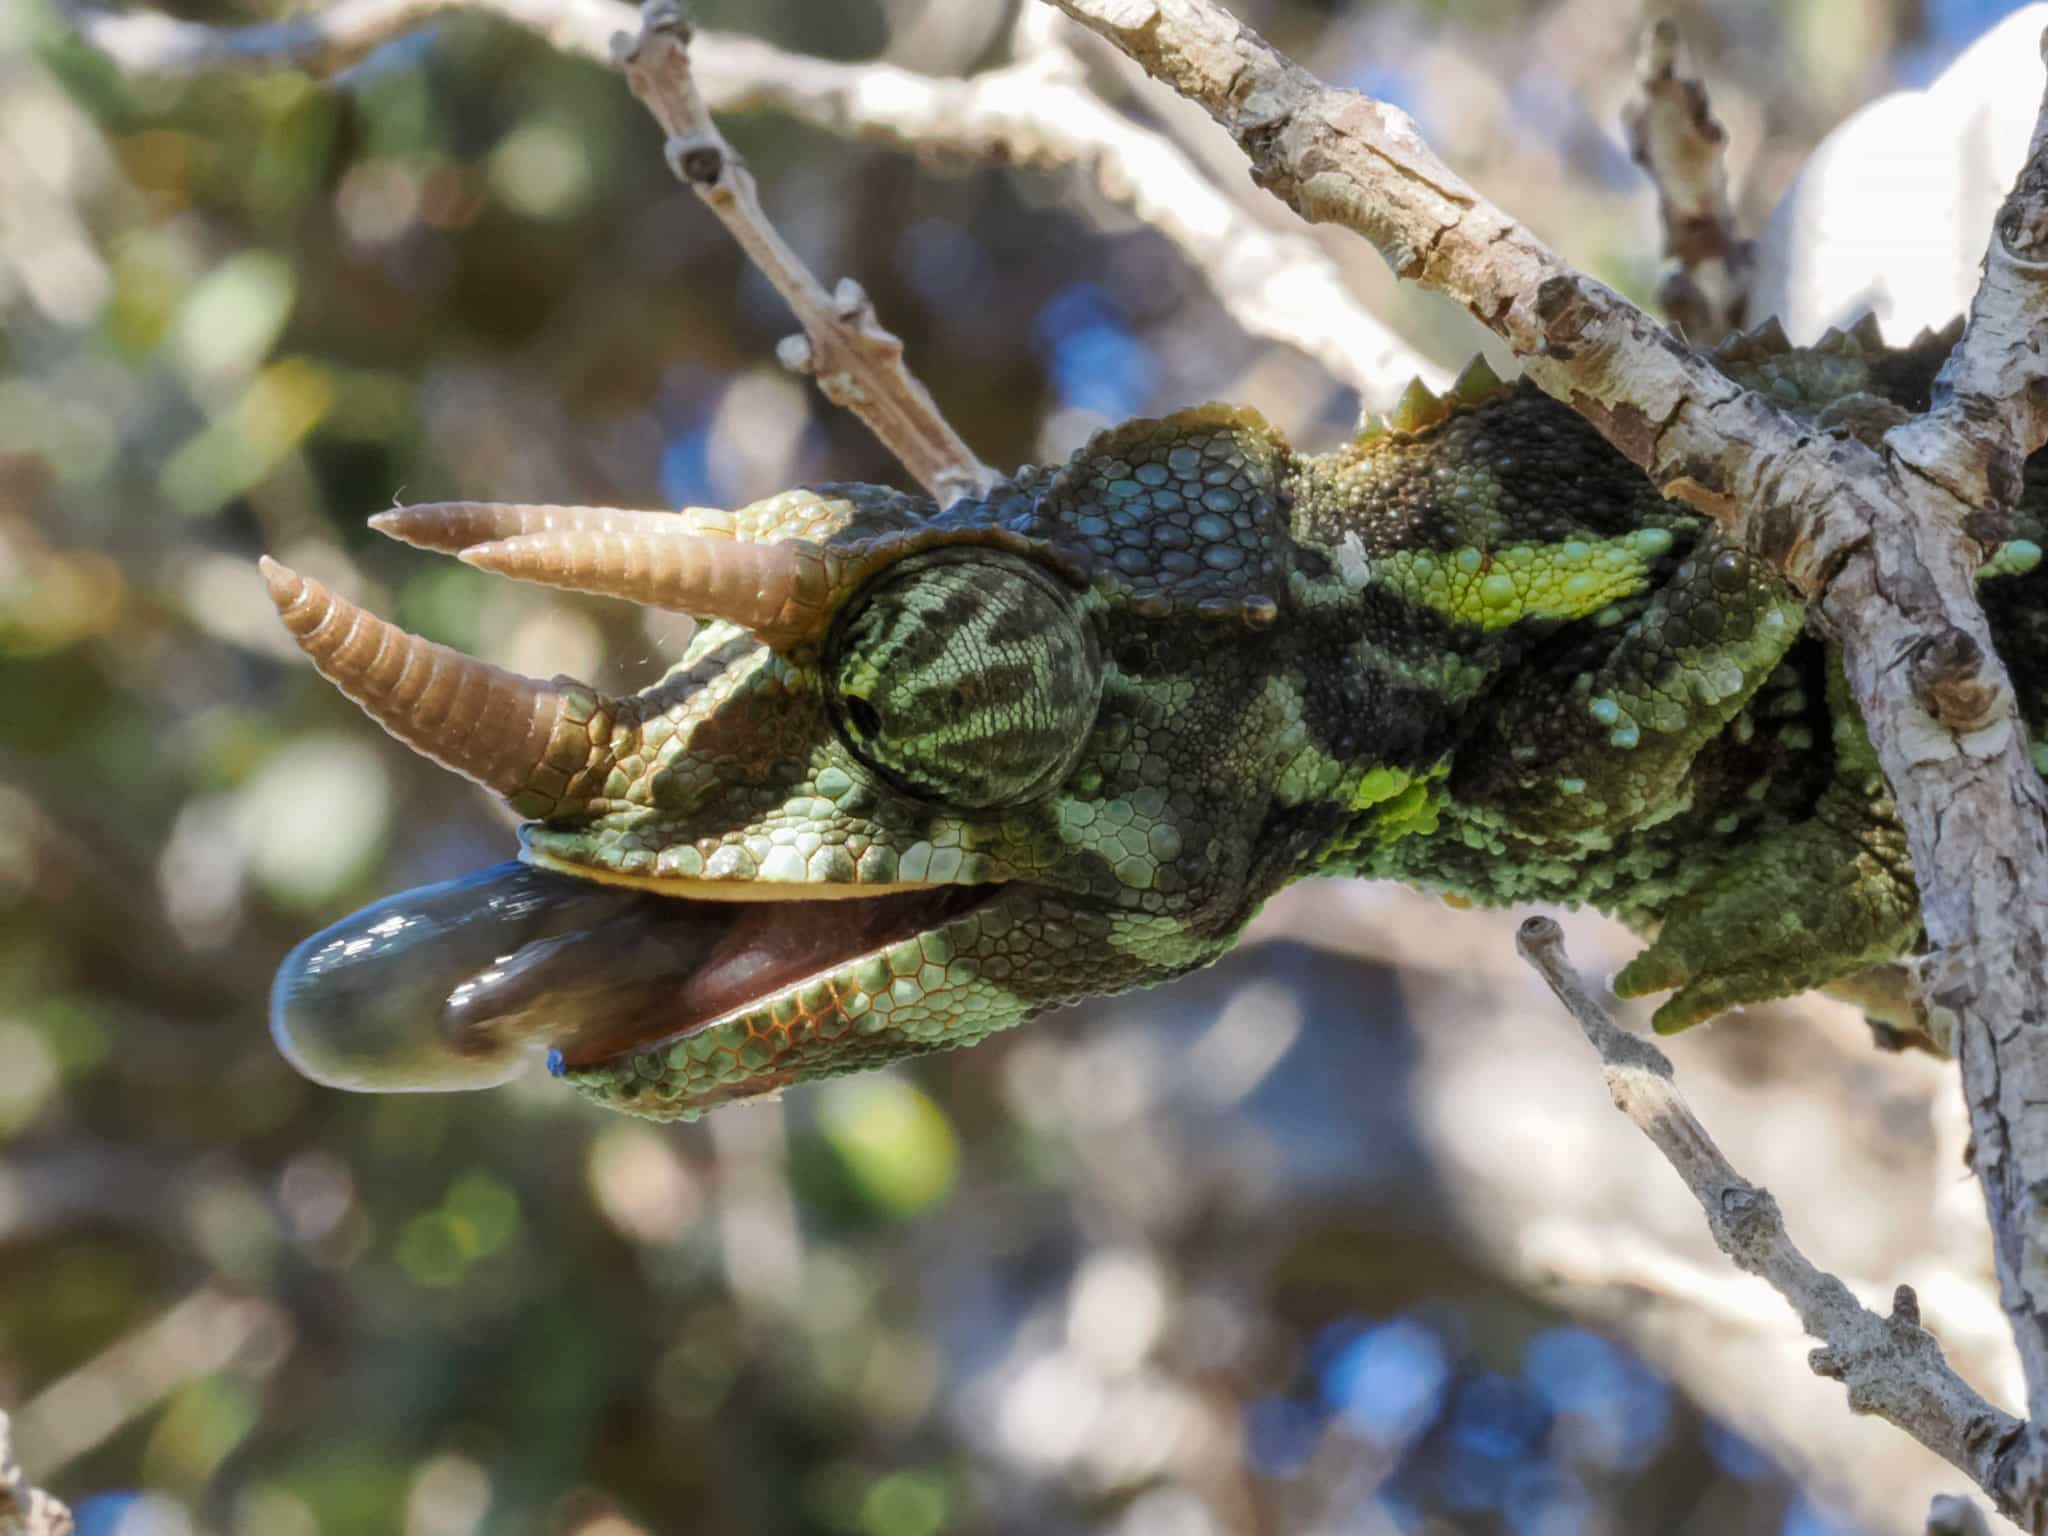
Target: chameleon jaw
(748, 892)
(464, 984)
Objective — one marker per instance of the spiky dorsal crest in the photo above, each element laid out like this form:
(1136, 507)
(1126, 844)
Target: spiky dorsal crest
(1421, 408)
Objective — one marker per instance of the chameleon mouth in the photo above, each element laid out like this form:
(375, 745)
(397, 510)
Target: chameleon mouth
(463, 984)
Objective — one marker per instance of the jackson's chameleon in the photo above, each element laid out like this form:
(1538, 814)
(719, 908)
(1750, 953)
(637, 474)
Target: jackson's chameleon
(924, 773)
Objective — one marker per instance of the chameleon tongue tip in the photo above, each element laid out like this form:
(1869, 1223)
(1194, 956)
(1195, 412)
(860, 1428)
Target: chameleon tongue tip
(372, 1003)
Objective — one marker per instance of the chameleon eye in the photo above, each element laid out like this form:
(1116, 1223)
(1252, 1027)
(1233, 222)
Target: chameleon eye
(969, 682)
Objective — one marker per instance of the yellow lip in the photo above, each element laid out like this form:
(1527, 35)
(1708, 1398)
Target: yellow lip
(731, 890)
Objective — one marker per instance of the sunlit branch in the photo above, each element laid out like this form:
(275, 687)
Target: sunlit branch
(1892, 1366)
(1675, 137)
(856, 361)
(1036, 112)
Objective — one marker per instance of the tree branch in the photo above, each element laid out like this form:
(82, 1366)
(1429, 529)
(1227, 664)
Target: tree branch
(1036, 112)
(857, 362)
(1674, 136)
(329, 40)
(1991, 400)
(1884, 538)
(25, 1510)
(1892, 1366)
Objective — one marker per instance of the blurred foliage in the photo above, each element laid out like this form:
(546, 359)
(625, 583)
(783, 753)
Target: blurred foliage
(1060, 1283)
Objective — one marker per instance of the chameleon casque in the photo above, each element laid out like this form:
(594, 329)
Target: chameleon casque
(923, 774)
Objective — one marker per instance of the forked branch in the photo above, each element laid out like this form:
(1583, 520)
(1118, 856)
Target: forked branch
(1036, 112)
(1675, 137)
(1893, 1367)
(856, 361)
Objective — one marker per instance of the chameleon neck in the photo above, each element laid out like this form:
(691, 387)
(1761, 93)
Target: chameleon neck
(1433, 563)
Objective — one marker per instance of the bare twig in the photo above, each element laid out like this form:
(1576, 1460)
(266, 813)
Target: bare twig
(331, 39)
(1991, 400)
(1892, 1366)
(25, 1510)
(857, 363)
(1036, 112)
(1039, 112)
(1674, 136)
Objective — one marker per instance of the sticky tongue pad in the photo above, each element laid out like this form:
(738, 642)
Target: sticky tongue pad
(459, 985)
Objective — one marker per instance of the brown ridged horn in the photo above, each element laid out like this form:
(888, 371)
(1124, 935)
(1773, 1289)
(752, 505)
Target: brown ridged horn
(526, 740)
(777, 591)
(451, 526)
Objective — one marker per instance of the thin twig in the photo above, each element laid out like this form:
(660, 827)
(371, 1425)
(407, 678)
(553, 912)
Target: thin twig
(857, 363)
(1674, 136)
(1893, 1367)
(24, 1509)
(1036, 113)
(329, 40)
(1991, 400)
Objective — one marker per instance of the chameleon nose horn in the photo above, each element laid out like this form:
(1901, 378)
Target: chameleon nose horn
(530, 741)
(779, 591)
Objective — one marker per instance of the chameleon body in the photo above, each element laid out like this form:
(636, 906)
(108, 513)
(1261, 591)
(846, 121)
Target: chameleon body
(1065, 739)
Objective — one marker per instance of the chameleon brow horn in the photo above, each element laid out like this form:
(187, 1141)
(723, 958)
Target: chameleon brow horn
(779, 591)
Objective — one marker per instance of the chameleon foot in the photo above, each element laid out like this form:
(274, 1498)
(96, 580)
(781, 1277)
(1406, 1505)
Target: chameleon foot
(1824, 901)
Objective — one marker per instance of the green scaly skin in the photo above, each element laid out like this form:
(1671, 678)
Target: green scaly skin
(1133, 697)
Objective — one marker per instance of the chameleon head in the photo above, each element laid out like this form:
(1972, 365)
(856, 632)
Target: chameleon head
(906, 787)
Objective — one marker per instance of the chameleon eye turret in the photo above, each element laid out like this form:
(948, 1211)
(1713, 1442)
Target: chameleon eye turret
(971, 685)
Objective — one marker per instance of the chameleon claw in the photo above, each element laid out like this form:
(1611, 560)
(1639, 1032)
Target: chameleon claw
(1693, 1005)
(1656, 969)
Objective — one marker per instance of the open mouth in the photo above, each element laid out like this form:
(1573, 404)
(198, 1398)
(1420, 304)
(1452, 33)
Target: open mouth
(462, 984)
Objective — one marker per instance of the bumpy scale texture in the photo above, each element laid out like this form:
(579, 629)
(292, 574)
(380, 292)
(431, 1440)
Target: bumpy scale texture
(1119, 703)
